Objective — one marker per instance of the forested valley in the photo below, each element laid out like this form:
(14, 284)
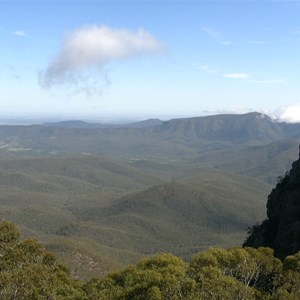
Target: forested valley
(151, 210)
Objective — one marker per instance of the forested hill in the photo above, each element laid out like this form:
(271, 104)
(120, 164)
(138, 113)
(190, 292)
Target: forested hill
(281, 231)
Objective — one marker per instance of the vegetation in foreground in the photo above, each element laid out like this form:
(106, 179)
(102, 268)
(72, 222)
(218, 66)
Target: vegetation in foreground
(28, 271)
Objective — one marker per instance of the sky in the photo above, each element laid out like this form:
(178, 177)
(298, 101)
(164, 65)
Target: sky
(110, 60)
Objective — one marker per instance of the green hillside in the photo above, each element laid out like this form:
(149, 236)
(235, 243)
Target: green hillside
(94, 209)
(263, 162)
(187, 215)
(105, 197)
(45, 195)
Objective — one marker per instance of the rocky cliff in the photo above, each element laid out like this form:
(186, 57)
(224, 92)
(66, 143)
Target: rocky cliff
(281, 230)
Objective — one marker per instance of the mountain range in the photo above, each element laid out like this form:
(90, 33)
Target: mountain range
(104, 196)
(178, 138)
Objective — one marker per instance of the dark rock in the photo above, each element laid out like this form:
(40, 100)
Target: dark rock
(281, 231)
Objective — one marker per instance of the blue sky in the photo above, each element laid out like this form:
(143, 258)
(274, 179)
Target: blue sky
(106, 60)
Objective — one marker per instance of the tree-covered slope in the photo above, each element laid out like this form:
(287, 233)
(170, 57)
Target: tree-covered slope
(95, 208)
(208, 209)
(263, 162)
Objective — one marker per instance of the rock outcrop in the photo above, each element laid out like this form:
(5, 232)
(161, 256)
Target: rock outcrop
(281, 231)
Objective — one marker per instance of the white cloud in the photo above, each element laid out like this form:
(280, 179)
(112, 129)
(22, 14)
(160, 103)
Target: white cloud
(216, 35)
(212, 33)
(237, 75)
(206, 68)
(93, 47)
(228, 111)
(246, 78)
(269, 81)
(258, 42)
(291, 114)
(226, 43)
(20, 33)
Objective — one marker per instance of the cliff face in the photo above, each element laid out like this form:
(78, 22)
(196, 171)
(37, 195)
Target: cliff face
(281, 231)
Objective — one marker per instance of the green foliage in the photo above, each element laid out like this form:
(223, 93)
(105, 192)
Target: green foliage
(289, 282)
(159, 277)
(218, 274)
(28, 271)
(212, 283)
(9, 233)
(245, 267)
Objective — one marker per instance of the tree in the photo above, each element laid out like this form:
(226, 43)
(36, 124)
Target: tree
(160, 277)
(28, 271)
(289, 282)
(247, 271)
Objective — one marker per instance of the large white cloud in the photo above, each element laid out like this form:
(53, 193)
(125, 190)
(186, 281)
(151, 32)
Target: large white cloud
(93, 47)
(291, 114)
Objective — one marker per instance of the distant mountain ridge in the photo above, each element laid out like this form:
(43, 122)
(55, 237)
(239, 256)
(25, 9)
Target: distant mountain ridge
(184, 138)
(225, 126)
(254, 127)
(86, 125)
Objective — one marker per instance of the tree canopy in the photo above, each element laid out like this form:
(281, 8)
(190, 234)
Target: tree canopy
(29, 271)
